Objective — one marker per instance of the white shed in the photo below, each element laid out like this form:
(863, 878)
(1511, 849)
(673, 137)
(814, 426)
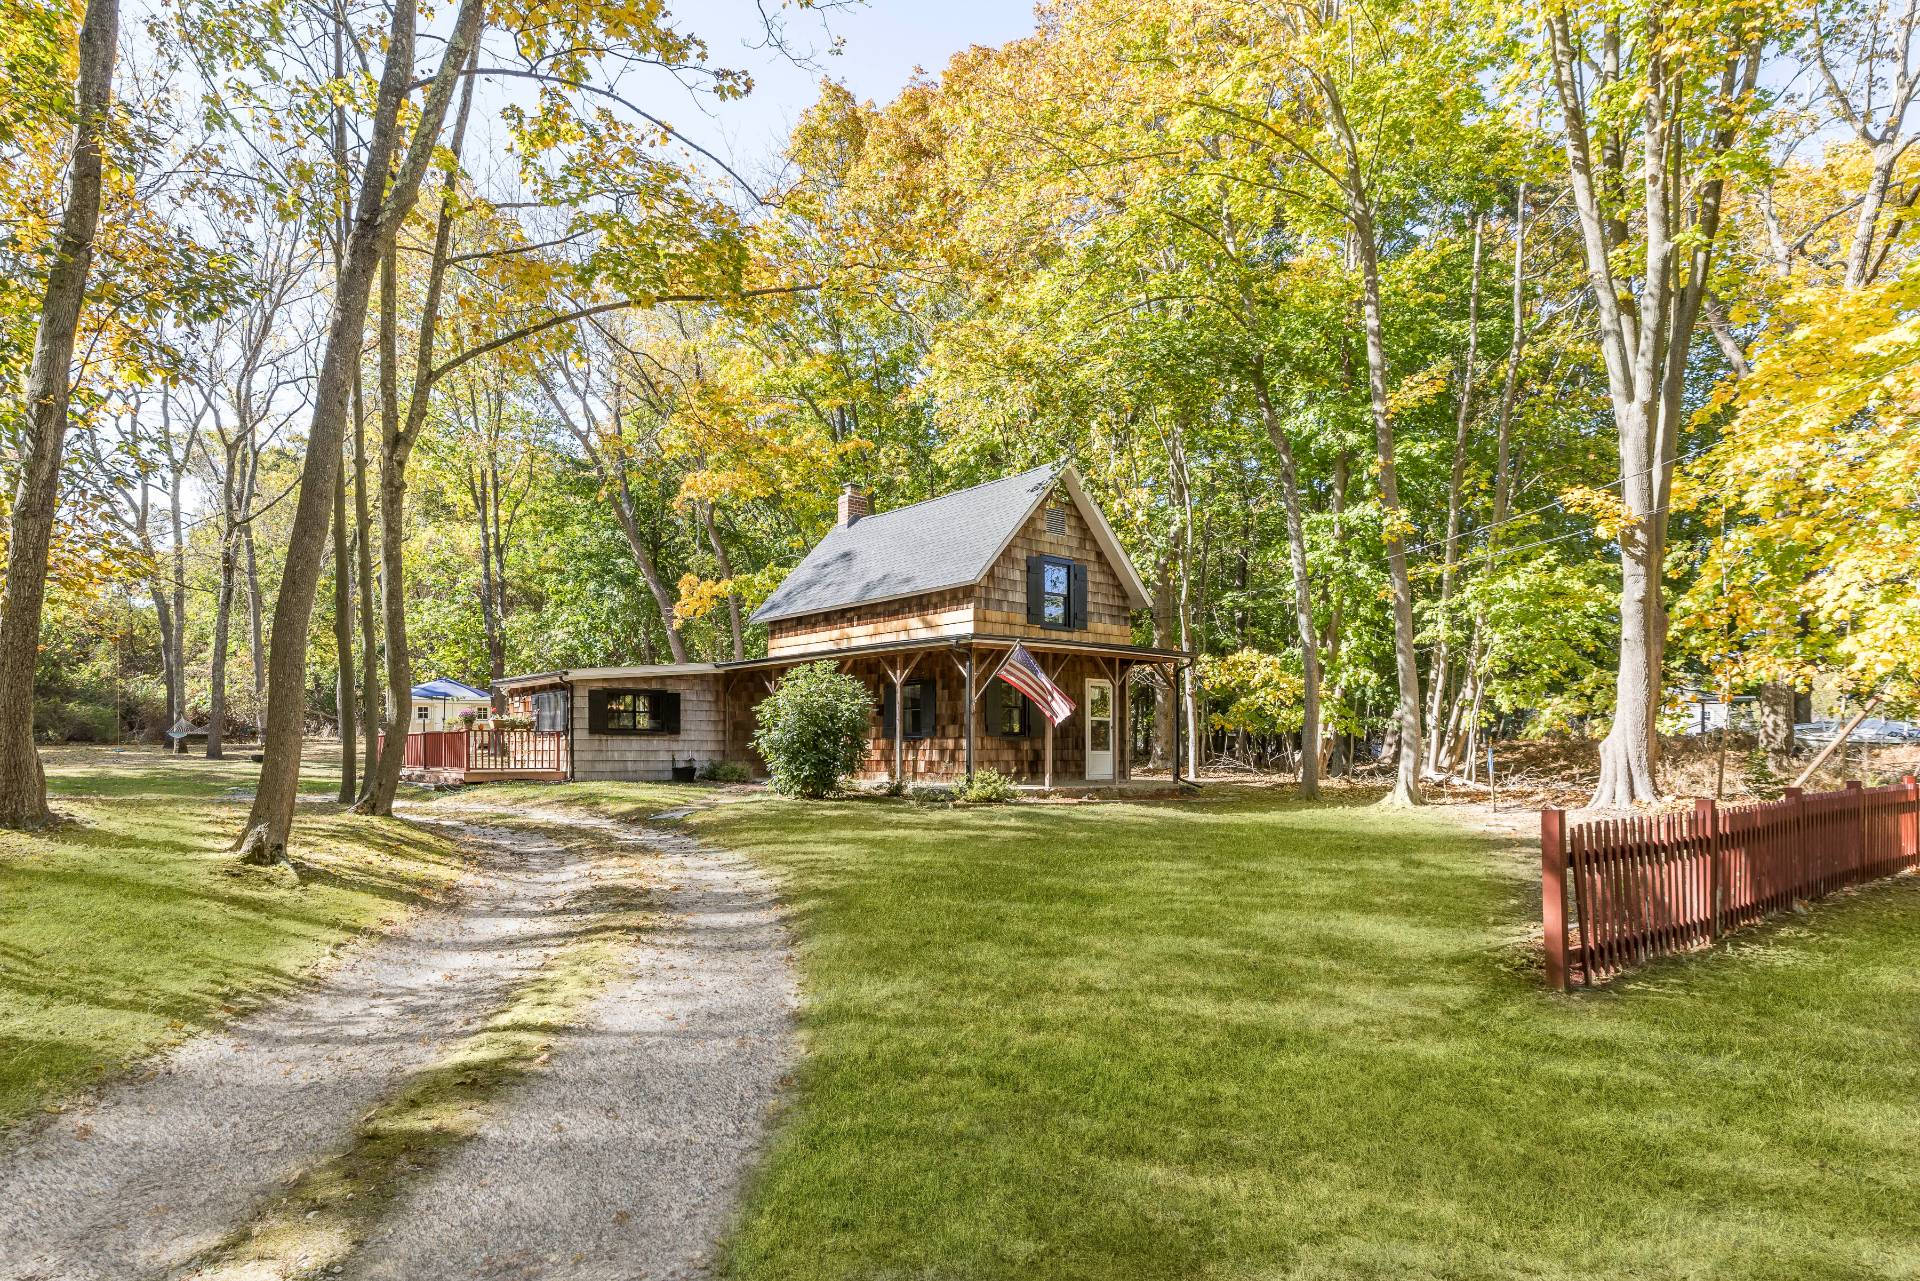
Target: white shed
(438, 703)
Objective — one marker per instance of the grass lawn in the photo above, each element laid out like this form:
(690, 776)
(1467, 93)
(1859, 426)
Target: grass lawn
(1249, 1039)
(628, 802)
(131, 926)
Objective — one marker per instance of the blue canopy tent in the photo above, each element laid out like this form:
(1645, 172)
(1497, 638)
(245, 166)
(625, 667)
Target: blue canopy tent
(437, 704)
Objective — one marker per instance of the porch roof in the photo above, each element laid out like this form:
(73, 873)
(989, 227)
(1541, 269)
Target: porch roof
(1142, 653)
(569, 674)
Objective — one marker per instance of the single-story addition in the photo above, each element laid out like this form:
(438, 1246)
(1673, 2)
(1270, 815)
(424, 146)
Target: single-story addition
(924, 604)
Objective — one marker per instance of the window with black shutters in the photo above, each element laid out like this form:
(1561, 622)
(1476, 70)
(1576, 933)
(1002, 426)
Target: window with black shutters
(919, 700)
(1009, 712)
(633, 711)
(1056, 593)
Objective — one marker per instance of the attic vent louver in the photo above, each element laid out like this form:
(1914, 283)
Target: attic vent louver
(1056, 520)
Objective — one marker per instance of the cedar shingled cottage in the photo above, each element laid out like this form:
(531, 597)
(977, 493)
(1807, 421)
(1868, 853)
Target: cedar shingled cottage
(924, 604)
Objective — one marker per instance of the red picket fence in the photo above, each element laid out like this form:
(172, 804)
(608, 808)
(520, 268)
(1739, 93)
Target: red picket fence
(1618, 892)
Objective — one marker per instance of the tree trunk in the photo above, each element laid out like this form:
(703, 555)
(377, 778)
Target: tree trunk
(484, 486)
(36, 499)
(177, 564)
(343, 690)
(383, 779)
(396, 448)
(1776, 725)
(1302, 594)
(363, 565)
(1338, 756)
(256, 637)
(217, 664)
(726, 571)
(1161, 750)
(1406, 786)
(1438, 675)
(379, 207)
(649, 570)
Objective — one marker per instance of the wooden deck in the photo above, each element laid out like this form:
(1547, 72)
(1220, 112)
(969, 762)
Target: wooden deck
(451, 757)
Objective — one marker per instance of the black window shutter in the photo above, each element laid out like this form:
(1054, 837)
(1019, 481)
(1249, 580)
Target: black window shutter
(887, 710)
(929, 708)
(1036, 589)
(1077, 603)
(666, 703)
(596, 711)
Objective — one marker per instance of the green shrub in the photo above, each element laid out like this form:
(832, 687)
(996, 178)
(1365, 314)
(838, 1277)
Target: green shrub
(813, 729)
(724, 772)
(986, 787)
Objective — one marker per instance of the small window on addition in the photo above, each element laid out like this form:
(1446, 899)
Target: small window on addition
(633, 711)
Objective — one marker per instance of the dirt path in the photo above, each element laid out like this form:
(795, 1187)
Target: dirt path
(617, 1154)
(623, 1158)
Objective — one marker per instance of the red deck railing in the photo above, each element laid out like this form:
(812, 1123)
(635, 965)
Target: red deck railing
(1617, 892)
(516, 750)
(472, 751)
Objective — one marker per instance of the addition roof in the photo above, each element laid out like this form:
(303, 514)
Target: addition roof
(941, 543)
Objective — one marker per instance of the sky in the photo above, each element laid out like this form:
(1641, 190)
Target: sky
(884, 42)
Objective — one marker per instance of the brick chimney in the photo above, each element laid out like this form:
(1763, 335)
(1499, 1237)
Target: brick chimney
(854, 505)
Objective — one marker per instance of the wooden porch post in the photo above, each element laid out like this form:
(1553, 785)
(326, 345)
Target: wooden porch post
(969, 713)
(899, 675)
(1046, 770)
(1053, 674)
(1122, 711)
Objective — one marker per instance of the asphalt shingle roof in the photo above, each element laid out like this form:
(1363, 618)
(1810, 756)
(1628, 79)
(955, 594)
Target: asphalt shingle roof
(944, 542)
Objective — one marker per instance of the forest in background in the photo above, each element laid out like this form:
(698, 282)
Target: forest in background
(1438, 364)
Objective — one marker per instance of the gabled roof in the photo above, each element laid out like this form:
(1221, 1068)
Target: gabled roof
(445, 687)
(942, 543)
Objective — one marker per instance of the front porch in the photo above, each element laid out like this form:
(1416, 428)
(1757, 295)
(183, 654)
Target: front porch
(941, 711)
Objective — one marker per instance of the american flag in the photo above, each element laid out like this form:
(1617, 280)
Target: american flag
(1021, 672)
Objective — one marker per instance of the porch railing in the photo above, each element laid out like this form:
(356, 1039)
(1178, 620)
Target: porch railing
(516, 749)
(470, 751)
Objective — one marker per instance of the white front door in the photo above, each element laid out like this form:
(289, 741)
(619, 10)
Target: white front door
(1099, 729)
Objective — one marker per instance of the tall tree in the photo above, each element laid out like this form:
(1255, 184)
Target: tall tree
(36, 497)
(1656, 101)
(386, 193)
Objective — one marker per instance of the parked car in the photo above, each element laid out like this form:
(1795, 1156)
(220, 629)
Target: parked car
(1816, 731)
(1873, 731)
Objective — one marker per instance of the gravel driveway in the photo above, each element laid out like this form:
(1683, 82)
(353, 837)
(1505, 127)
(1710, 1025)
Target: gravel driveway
(617, 1158)
(623, 1158)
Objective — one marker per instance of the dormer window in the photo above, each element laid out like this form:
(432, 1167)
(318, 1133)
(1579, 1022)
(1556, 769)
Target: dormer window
(1056, 578)
(1056, 593)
